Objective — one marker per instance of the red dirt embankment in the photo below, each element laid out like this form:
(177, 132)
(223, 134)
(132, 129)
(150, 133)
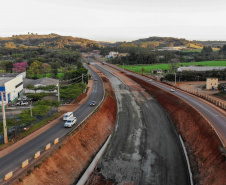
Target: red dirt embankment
(77, 150)
(207, 162)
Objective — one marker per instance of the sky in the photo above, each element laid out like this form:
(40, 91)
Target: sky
(115, 20)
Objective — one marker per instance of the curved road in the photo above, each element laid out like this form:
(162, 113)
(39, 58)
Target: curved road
(144, 148)
(13, 160)
(216, 118)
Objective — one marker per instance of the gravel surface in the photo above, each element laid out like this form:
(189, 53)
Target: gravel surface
(145, 147)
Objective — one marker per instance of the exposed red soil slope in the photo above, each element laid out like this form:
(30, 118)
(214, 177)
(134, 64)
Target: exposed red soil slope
(207, 162)
(77, 150)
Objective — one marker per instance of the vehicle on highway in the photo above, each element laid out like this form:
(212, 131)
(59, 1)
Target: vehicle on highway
(70, 122)
(172, 90)
(150, 80)
(93, 103)
(95, 79)
(68, 115)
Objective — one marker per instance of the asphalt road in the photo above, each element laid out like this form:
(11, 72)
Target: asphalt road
(14, 159)
(216, 118)
(144, 148)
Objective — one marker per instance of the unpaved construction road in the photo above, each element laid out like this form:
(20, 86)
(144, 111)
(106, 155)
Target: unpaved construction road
(144, 148)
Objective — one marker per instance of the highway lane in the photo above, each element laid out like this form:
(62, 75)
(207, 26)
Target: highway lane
(216, 118)
(144, 148)
(14, 159)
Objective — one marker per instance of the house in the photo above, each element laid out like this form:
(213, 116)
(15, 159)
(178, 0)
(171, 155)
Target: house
(158, 71)
(11, 84)
(40, 82)
(211, 83)
(112, 54)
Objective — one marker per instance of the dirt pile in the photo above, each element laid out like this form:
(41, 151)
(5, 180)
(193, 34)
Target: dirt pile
(77, 150)
(207, 162)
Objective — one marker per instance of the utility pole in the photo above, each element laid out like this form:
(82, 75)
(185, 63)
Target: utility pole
(58, 91)
(4, 120)
(175, 78)
(31, 109)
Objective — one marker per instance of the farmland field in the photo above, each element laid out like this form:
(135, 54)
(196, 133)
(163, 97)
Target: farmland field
(149, 68)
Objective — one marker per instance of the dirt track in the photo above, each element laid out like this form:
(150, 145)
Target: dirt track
(144, 148)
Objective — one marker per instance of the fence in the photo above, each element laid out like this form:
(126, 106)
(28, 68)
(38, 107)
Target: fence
(215, 101)
(13, 131)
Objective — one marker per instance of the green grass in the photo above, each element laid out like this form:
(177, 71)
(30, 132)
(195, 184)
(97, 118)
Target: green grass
(208, 63)
(40, 124)
(149, 68)
(189, 51)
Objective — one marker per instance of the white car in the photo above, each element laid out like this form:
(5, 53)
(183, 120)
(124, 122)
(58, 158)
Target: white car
(70, 122)
(23, 103)
(93, 103)
(172, 90)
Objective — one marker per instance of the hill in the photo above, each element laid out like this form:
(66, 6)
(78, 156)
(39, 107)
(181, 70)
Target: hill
(46, 40)
(165, 42)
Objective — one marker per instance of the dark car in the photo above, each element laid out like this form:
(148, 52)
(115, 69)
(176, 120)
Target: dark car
(93, 103)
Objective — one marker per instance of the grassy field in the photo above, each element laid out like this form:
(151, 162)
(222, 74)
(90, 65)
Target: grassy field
(149, 68)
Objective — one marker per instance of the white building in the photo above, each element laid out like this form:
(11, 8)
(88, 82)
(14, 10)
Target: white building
(112, 54)
(11, 87)
(158, 71)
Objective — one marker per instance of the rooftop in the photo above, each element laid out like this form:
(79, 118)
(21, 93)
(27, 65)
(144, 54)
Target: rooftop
(200, 68)
(3, 80)
(42, 81)
(9, 74)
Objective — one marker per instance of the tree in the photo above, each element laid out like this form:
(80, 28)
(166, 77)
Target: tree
(52, 103)
(173, 64)
(36, 96)
(49, 88)
(41, 110)
(32, 87)
(222, 87)
(7, 66)
(79, 65)
(20, 67)
(206, 50)
(223, 49)
(45, 68)
(35, 69)
(143, 70)
(26, 118)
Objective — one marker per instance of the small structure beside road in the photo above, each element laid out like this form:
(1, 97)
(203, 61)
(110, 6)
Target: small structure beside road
(211, 83)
